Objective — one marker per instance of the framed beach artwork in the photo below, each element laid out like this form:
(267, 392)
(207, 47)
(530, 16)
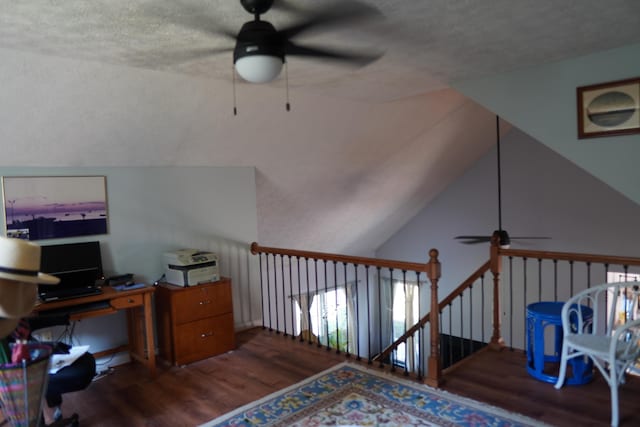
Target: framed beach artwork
(609, 109)
(51, 207)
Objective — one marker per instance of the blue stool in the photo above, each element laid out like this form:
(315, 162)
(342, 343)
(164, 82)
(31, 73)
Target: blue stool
(539, 316)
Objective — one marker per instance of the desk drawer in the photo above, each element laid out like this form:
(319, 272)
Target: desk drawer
(126, 301)
(203, 338)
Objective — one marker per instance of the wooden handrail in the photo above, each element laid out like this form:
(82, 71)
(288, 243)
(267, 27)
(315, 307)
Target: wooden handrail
(382, 263)
(497, 253)
(570, 256)
(466, 284)
(494, 264)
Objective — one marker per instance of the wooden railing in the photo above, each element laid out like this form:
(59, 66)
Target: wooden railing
(457, 324)
(291, 279)
(531, 276)
(451, 343)
(520, 277)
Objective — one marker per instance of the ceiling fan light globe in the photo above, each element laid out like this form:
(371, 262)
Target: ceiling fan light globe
(259, 68)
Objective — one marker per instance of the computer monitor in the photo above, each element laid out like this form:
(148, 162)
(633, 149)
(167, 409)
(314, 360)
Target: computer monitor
(76, 264)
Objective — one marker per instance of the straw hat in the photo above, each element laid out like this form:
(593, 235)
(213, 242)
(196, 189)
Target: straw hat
(19, 277)
(20, 261)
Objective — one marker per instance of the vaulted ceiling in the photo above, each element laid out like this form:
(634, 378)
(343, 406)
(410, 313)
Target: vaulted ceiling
(362, 149)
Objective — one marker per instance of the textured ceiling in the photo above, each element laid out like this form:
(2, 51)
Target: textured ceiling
(392, 127)
(430, 42)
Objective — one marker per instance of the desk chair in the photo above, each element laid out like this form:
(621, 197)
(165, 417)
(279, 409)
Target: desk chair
(74, 377)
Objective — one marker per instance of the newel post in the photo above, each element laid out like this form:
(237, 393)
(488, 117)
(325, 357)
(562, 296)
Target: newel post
(434, 366)
(497, 342)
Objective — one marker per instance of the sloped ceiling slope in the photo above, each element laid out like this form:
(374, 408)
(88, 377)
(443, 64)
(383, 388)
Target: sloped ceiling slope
(354, 191)
(102, 83)
(332, 175)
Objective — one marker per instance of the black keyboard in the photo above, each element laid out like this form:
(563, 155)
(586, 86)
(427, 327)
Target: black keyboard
(74, 309)
(62, 294)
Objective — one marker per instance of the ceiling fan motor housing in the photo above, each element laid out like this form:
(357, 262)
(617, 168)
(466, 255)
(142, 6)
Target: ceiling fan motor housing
(505, 241)
(258, 38)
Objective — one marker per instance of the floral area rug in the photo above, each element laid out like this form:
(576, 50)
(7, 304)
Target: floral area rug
(351, 395)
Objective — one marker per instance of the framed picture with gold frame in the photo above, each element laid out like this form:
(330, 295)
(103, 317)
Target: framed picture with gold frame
(608, 109)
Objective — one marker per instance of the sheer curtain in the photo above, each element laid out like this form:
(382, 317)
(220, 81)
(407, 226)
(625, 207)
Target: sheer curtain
(399, 308)
(304, 304)
(411, 317)
(385, 293)
(352, 324)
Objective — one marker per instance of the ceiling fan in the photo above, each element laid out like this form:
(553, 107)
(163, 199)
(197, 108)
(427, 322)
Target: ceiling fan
(505, 239)
(261, 50)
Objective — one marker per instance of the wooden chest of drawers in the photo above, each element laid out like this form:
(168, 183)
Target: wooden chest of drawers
(194, 322)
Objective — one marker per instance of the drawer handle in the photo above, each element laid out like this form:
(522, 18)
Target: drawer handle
(206, 334)
(204, 302)
(130, 301)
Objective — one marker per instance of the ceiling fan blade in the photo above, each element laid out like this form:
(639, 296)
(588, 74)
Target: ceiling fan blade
(339, 13)
(167, 58)
(529, 238)
(356, 59)
(473, 241)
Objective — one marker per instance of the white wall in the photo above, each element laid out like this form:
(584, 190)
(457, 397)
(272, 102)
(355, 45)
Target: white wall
(156, 209)
(542, 102)
(543, 194)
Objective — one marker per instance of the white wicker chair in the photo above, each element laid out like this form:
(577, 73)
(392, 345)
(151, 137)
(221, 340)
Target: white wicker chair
(611, 341)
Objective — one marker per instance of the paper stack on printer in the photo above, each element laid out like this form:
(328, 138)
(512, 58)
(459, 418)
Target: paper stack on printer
(59, 361)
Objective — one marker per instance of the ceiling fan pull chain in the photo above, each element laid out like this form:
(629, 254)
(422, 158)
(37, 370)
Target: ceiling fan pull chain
(233, 72)
(286, 82)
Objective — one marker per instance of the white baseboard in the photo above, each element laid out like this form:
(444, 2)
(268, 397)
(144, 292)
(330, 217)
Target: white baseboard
(247, 325)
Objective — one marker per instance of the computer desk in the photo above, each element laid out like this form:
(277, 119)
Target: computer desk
(136, 302)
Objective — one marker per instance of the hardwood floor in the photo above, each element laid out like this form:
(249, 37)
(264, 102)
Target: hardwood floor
(265, 362)
(501, 379)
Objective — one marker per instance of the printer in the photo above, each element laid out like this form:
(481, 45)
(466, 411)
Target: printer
(188, 267)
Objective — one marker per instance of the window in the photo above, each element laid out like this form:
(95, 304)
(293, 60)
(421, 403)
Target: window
(405, 314)
(619, 276)
(328, 315)
(624, 310)
(624, 307)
